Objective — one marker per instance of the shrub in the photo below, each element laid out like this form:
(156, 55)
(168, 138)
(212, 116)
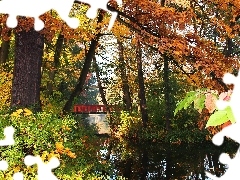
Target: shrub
(49, 135)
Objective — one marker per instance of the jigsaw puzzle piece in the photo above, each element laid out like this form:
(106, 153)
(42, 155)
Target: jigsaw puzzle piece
(30, 8)
(3, 165)
(96, 5)
(27, 8)
(12, 21)
(8, 133)
(63, 8)
(18, 176)
(233, 103)
(230, 131)
(38, 24)
(44, 169)
(233, 167)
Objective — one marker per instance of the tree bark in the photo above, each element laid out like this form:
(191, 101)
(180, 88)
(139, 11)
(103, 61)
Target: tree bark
(141, 94)
(55, 65)
(27, 70)
(144, 164)
(168, 165)
(125, 87)
(202, 166)
(4, 50)
(228, 50)
(87, 64)
(167, 93)
(162, 3)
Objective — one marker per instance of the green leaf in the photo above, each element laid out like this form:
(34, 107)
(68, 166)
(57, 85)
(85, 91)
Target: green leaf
(190, 97)
(186, 102)
(179, 107)
(218, 118)
(230, 114)
(199, 103)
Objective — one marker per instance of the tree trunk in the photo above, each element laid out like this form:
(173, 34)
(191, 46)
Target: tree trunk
(125, 87)
(4, 51)
(27, 70)
(100, 87)
(87, 64)
(162, 3)
(141, 94)
(228, 50)
(55, 65)
(144, 164)
(104, 100)
(202, 166)
(167, 89)
(218, 167)
(168, 165)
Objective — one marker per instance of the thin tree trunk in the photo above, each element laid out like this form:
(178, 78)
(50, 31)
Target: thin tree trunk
(4, 50)
(218, 167)
(55, 65)
(102, 94)
(228, 50)
(101, 89)
(27, 70)
(144, 164)
(104, 100)
(125, 87)
(162, 3)
(87, 64)
(168, 171)
(141, 94)
(202, 167)
(167, 93)
(126, 168)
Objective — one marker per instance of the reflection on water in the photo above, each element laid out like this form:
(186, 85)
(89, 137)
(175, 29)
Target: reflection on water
(160, 161)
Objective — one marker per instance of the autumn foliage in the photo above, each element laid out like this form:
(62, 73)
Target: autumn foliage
(157, 53)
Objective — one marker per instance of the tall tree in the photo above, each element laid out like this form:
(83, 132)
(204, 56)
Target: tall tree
(87, 64)
(168, 110)
(125, 87)
(27, 69)
(5, 46)
(142, 97)
(55, 63)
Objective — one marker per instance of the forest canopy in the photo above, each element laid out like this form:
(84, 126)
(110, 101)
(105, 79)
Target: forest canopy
(160, 66)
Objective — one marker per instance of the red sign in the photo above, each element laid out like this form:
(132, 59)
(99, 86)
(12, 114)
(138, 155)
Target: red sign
(80, 108)
(89, 109)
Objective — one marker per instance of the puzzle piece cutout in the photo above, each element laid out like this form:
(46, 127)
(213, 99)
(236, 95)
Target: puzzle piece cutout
(8, 133)
(95, 5)
(36, 8)
(9, 140)
(44, 169)
(3, 165)
(231, 131)
(18, 176)
(233, 172)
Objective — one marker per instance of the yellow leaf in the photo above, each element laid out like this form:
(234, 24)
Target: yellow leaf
(15, 114)
(19, 111)
(27, 112)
